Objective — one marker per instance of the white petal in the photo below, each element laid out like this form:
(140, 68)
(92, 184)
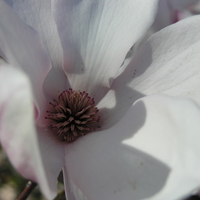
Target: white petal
(169, 13)
(35, 157)
(16, 116)
(164, 17)
(72, 192)
(171, 135)
(52, 157)
(55, 82)
(96, 35)
(21, 47)
(167, 63)
(38, 15)
(153, 150)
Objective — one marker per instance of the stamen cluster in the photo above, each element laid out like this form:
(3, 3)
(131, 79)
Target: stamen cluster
(73, 115)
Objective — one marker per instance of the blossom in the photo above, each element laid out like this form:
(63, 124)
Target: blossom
(146, 148)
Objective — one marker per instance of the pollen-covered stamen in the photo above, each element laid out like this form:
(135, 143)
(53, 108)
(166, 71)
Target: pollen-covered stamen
(73, 115)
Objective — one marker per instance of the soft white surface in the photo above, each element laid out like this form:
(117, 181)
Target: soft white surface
(20, 46)
(151, 153)
(168, 63)
(38, 15)
(17, 131)
(96, 35)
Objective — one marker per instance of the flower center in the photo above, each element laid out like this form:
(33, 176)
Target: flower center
(73, 115)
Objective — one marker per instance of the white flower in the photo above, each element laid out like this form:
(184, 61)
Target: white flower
(146, 148)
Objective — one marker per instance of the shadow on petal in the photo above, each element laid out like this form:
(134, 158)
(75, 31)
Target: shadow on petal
(55, 83)
(102, 167)
(121, 96)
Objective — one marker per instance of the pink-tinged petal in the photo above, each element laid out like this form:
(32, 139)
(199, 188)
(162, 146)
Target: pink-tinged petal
(167, 63)
(20, 46)
(96, 36)
(16, 117)
(153, 150)
(29, 153)
(183, 14)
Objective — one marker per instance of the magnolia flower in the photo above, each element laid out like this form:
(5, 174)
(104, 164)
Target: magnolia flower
(146, 148)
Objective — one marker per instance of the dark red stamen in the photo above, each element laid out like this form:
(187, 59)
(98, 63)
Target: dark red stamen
(73, 115)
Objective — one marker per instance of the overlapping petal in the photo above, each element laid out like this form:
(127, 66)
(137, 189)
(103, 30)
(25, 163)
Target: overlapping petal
(16, 118)
(173, 140)
(152, 153)
(123, 161)
(96, 35)
(168, 63)
(20, 46)
(171, 64)
(27, 149)
(52, 161)
(38, 15)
